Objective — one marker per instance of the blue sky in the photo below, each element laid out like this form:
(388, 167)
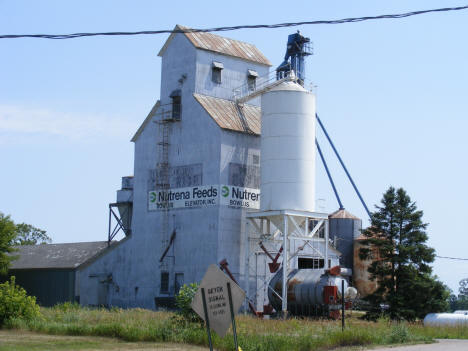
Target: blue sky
(392, 93)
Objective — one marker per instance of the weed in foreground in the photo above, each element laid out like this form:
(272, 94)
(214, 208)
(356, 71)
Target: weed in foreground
(135, 325)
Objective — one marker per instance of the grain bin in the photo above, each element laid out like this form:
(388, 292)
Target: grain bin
(288, 149)
(344, 229)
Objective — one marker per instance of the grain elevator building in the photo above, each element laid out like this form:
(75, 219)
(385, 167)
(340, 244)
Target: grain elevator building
(196, 176)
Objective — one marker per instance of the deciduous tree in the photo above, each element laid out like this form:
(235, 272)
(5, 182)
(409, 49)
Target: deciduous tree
(7, 235)
(463, 289)
(26, 234)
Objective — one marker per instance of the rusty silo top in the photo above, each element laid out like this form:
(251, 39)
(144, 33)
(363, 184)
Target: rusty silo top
(342, 213)
(361, 237)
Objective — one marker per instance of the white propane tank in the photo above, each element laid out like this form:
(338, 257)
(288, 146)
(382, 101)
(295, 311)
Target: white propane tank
(350, 293)
(461, 312)
(445, 319)
(288, 149)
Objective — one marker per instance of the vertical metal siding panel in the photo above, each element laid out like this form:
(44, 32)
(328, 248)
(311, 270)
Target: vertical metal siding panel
(49, 286)
(343, 229)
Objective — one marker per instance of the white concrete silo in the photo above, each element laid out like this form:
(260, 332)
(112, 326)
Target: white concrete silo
(288, 149)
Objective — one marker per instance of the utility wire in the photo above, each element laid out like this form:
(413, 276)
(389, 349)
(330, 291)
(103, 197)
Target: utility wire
(453, 258)
(224, 29)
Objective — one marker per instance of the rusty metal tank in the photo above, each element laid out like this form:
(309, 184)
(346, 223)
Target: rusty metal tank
(361, 277)
(306, 290)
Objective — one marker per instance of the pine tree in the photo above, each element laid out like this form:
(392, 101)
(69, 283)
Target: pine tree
(396, 244)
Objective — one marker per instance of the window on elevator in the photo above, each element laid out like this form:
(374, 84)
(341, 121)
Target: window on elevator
(252, 79)
(176, 104)
(164, 283)
(310, 263)
(216, 69)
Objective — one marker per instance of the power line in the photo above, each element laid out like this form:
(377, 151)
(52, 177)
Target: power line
(224, 29)
(453, 258)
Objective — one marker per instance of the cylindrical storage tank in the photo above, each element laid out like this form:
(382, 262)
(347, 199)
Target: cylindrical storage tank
(344, 229)
(361, 275)
(445, 319)
(461, 312)
(305, 289)
(288, 149)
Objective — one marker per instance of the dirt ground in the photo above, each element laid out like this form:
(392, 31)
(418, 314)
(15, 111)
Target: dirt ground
(14, 340)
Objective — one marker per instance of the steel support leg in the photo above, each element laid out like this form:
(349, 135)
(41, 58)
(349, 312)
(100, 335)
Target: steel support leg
(284, 293)
(327, 235)
(247, 263)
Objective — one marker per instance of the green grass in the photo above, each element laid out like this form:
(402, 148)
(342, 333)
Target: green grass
(55, 345)
(20, 340)
(253, 334)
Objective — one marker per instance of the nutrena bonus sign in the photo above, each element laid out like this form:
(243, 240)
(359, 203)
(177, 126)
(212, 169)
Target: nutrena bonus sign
(204, 196)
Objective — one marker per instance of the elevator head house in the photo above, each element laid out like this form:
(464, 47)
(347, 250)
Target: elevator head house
(196, 176)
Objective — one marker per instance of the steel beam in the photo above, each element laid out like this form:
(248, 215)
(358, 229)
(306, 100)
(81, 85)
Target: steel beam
(284, 292)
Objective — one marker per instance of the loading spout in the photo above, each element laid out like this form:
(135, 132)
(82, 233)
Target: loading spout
(273, 265)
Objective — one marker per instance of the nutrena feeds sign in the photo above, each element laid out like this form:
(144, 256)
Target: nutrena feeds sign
(204, 196)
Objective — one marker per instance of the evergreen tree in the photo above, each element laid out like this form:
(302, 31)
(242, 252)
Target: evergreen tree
(396, 244)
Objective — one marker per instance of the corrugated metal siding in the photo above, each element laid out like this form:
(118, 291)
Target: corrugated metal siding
(346, 230)
(224, 113)
(50, 286)
(231, 47)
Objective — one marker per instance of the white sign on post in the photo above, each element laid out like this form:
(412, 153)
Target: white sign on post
(217, 300)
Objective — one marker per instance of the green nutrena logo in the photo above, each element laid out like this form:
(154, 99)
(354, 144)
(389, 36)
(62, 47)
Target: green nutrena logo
(152, 196)
(225, 191)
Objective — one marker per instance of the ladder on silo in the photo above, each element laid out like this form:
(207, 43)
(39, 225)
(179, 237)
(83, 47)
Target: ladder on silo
(163, 178)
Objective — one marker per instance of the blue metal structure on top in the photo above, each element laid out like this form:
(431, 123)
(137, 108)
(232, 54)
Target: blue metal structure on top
(298, 48)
